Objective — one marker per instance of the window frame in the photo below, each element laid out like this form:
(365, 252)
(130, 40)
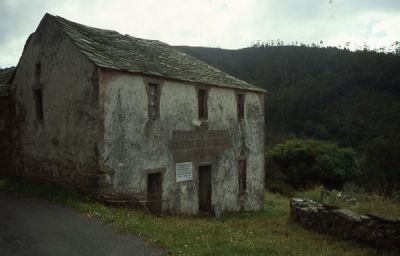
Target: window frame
(240, 105)
(38, 101)
(242, 175)
(38, 72)
(37, 91)
(202, 112)
(153, 110)
(149, 81)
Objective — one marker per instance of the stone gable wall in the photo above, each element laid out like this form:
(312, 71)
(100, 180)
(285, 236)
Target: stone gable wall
(62, 146)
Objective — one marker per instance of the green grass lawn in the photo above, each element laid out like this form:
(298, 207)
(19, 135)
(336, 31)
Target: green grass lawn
(263, 233)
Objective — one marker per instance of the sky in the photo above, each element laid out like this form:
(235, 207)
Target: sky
(230, 24)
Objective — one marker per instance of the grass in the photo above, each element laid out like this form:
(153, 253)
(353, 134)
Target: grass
(251, 233)
(366, 203)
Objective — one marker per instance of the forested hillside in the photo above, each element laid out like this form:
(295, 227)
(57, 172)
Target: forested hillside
(352, 98)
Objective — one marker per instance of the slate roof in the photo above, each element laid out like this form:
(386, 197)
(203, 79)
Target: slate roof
(109, 49)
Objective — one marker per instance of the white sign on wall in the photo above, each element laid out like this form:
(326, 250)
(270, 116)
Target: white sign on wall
(184, 171)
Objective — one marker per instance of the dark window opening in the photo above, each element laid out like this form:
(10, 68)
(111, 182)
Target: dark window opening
(242, 175)
(38, 104)
(202, 103)
(240, 106)
(153, 100)
(38, 72)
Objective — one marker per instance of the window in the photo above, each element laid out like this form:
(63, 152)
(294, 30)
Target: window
(37, 94)
(202, 103)
(242, 175)
(38, 72)
(153, 100)
(240, 106)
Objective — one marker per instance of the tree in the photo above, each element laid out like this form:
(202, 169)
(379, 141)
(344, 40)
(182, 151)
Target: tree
(396, 48)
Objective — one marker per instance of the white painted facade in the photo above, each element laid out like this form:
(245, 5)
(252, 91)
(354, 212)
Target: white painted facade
(134, 145)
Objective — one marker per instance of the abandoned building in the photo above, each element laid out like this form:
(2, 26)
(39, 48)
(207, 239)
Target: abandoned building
(5, 121)
(120, 116)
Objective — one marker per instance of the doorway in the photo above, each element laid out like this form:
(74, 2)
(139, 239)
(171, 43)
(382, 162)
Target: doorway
(154, 192)
(205, 189)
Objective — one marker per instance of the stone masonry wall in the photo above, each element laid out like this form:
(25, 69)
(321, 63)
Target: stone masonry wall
(61, 147)
(370, 229)
(5, 136)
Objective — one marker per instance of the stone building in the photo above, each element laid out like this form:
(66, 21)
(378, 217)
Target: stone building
(123, 117)
(5, 121)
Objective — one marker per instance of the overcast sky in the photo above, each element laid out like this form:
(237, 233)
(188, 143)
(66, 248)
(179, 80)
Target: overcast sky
(229, 24)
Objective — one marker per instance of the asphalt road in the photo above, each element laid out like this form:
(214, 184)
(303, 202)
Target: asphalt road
(35, 227)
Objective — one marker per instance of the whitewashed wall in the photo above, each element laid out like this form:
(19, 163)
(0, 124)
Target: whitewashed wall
(134, 145)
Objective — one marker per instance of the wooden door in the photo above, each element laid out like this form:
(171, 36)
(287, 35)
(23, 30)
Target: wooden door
(154, 192)
(205, 189)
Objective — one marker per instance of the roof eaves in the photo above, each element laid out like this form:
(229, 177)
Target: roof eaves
(256, 89)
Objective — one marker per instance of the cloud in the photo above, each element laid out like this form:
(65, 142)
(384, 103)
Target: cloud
(216, 23)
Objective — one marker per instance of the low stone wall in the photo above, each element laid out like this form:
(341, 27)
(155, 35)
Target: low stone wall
(374, 230)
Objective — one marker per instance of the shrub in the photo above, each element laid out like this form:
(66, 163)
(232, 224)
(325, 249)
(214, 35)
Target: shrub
(304, 163)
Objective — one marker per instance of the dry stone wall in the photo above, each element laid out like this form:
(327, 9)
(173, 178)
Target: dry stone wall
(370, 229)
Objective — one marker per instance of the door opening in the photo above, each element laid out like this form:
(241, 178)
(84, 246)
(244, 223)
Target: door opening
(154, 192)
(205, 189)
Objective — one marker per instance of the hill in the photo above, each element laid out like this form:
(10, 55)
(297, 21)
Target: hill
(352, 98)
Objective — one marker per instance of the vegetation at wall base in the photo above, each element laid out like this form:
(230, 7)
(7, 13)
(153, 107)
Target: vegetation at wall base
(247, 233)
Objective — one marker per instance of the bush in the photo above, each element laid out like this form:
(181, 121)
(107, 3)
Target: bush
(304, 163)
